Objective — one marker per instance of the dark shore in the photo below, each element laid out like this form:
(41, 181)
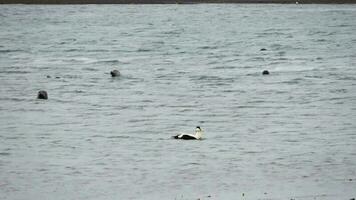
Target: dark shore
(174, 1)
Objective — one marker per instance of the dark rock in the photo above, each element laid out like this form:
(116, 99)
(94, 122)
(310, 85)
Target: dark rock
(42, 95)
(263, 49)
(115, 73)
(265, 72)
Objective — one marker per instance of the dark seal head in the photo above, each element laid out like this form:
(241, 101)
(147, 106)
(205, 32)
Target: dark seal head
(42, 95)
(115, 73)
(265, 72)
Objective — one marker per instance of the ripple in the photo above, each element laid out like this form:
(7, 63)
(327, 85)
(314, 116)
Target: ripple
(10, 50)
(4, 154)
(113, 61)
(14, 72)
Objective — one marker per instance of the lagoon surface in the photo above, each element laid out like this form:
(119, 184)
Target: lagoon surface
(287, 135)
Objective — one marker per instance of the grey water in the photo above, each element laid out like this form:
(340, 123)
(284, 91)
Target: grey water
(287, 135)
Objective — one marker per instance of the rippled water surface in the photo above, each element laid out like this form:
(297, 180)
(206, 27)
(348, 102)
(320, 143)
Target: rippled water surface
(291, 134)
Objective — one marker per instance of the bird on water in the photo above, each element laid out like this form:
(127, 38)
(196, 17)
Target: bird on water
(185, 136)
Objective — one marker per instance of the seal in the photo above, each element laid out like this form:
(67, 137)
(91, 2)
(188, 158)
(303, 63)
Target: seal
(265, 72)
(42, 95)
(115, 73)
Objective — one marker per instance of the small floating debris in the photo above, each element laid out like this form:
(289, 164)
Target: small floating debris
(48, 76)
(263, 49)
(115, 73)
(42, 95)
(265, 72)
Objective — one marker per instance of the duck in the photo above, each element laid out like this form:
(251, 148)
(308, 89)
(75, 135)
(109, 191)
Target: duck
(185, 136)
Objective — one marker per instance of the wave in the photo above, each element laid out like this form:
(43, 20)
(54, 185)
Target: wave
(4, 153)
(10, 50)
(14, 72)
(12, 99)
(144, 50)
(94, 61)
(113, 61)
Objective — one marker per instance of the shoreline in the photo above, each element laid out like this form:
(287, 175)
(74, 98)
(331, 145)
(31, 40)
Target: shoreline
(73, 2)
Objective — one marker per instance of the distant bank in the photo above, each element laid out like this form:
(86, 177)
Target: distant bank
(173, 1)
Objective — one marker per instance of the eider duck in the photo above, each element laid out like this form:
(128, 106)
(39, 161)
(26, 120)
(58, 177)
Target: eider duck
(185, 136)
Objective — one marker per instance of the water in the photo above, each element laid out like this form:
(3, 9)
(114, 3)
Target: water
(290, 134)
